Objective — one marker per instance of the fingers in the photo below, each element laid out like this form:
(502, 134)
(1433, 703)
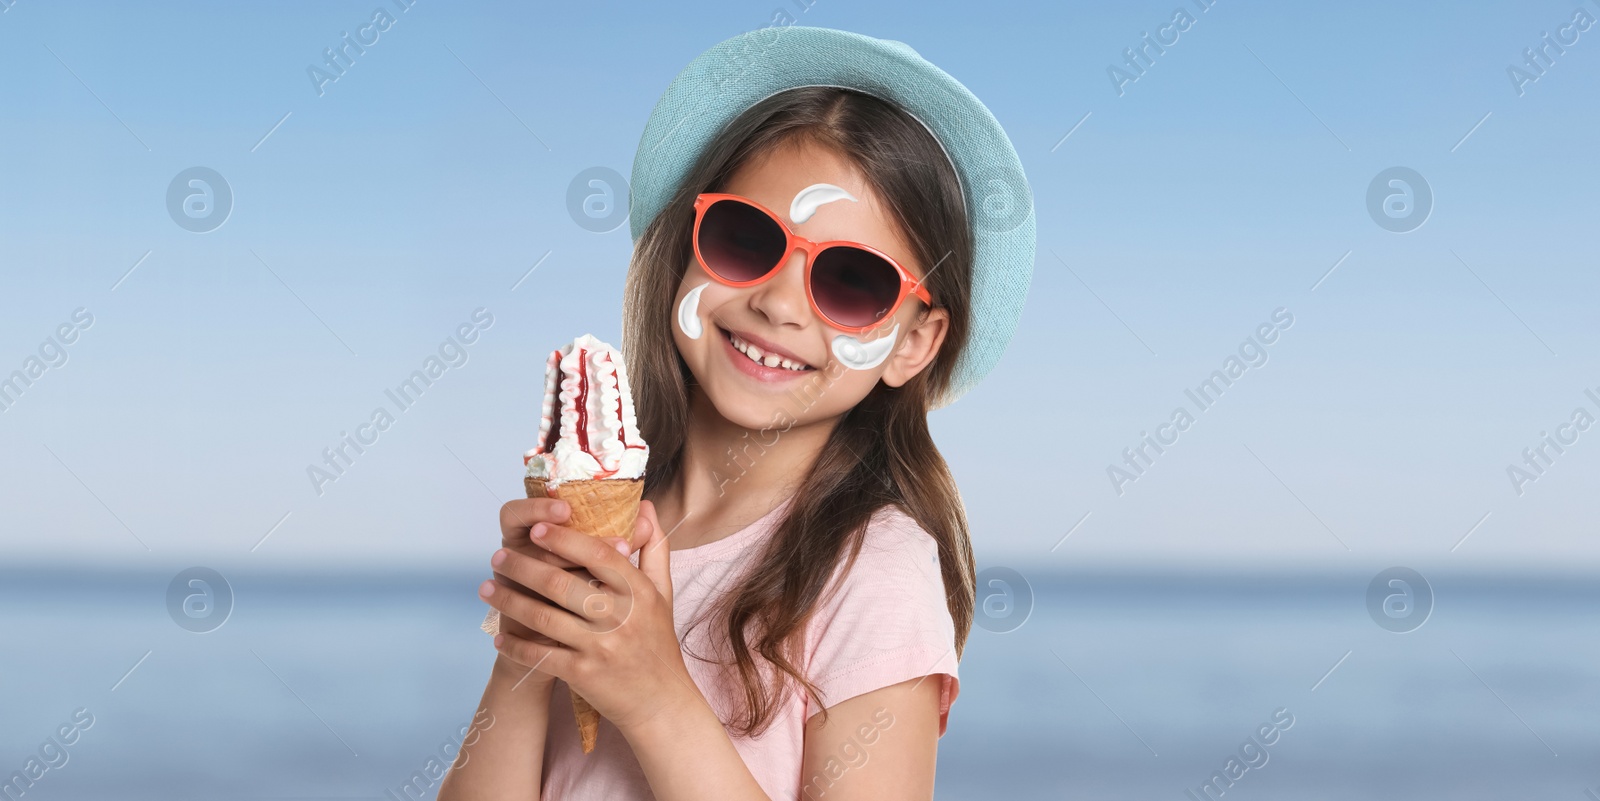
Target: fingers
(527, 548)
(593, 553)
(566, 564)
(518, 515)
(654, 557)
(555, 623)
(552, 659)
(571, 589)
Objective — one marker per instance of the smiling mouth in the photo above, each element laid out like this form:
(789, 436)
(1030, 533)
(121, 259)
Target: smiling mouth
(755, 354)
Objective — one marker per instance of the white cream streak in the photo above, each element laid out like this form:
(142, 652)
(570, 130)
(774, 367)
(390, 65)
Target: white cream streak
(689, 313)
(807, 200)
(858, 355)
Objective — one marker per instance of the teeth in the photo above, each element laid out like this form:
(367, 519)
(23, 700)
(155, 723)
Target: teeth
(760, 357)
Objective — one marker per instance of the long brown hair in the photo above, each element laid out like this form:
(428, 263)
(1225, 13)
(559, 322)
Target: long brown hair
(880, 453)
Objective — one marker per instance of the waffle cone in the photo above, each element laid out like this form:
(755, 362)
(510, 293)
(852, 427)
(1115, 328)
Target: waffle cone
(600, 508)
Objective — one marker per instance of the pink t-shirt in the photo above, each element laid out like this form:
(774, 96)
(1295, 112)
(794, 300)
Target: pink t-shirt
(886, 623)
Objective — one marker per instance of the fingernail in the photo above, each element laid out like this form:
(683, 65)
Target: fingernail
(499, 556)
(499, 640)
(486, 589)
(621, 546)
(561, 508)
(539, 530)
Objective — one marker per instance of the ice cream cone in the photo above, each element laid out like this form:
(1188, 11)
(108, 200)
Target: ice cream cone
(590, 454)
(600, 508)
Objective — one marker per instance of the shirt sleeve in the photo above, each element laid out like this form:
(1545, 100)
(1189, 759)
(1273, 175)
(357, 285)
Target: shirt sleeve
(885, 621)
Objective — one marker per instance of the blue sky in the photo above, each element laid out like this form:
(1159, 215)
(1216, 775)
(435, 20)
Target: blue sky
(370, 221)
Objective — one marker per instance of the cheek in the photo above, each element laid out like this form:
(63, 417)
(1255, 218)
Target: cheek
(851, 387)
(837, 390)
(838, 396)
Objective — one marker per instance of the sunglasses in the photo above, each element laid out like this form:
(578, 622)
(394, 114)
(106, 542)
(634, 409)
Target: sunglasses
(852, 286)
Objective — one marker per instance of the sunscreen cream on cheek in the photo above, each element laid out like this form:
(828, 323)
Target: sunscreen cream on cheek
(858, 355)
(689, 313)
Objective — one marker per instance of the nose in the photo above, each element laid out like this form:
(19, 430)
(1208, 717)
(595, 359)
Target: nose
(782, 298)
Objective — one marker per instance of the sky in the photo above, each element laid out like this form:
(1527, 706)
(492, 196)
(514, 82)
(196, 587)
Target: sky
(1179, 210)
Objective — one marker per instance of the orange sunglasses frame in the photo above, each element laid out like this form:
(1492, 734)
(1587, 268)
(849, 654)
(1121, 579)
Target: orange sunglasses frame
(908, 285)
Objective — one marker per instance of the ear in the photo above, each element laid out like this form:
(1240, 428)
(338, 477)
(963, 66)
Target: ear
(917, 348)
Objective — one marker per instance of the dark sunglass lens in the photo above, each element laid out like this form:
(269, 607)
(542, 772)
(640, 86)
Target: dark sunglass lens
(739, 242)
(853, 287)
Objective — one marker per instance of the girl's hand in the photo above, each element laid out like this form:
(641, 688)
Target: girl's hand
(516, 517)
(613, 636)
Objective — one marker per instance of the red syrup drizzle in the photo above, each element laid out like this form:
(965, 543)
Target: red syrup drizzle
(583, 400)
(583, 416)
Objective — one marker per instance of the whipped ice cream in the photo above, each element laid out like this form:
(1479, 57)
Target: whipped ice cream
(587, 427)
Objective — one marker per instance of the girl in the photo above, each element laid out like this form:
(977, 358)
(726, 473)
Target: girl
(792, 623)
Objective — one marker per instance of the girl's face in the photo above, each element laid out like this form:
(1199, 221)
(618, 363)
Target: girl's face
(776, 317)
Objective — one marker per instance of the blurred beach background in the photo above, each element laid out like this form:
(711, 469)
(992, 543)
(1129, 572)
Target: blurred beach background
(1134, 632)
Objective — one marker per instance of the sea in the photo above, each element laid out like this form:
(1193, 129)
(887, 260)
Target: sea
(1082, 685)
